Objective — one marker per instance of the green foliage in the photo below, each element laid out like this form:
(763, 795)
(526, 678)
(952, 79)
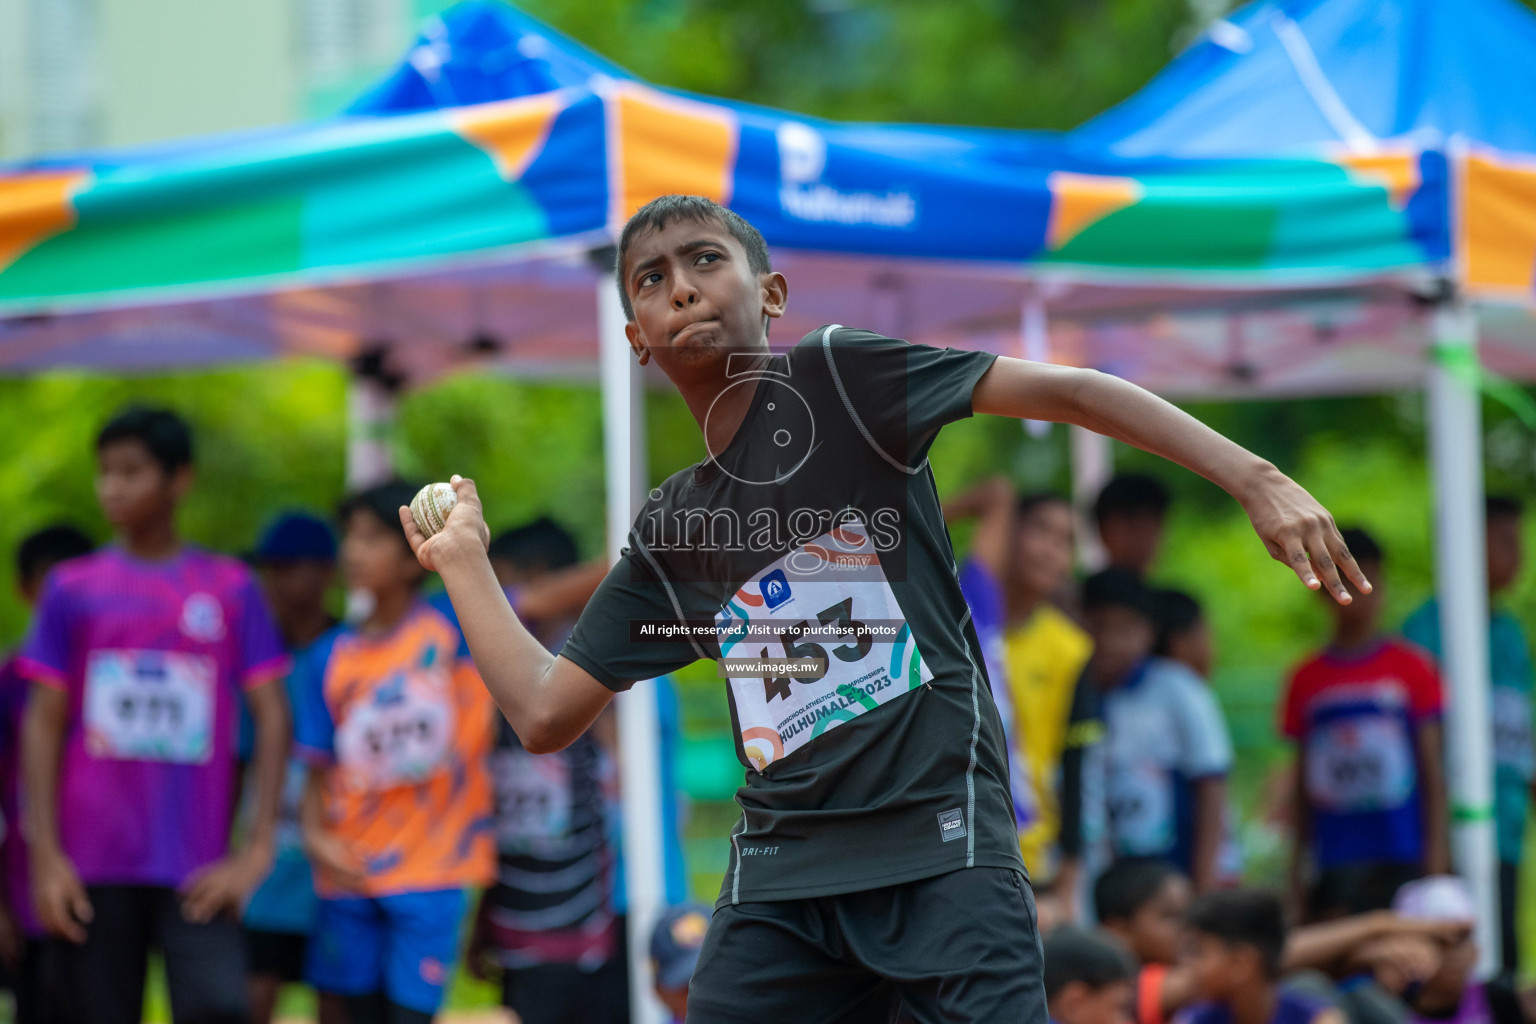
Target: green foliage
(1006, 63)
(267, 439)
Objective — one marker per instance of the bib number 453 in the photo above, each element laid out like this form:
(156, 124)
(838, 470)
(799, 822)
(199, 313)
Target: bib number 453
(839, 615)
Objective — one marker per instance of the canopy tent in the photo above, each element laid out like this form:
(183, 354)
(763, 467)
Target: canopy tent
(1391, 86)
(459, 213)
(324, 237)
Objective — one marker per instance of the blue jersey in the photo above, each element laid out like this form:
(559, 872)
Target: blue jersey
(1509, 670)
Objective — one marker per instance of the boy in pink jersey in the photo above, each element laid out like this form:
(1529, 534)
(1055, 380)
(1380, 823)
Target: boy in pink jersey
(137, 657)
(21, 935)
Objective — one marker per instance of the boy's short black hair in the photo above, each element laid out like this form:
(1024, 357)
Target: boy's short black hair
(382, 502)
(1077, 954)
(1502, 506)
(1362, 545)
(1118, 588)
(1027, 503)
(166, 436)
(1174, 613)
(1243, 917)
(1131, 494)
(660, 212)
(540, 546)
(43, 549)
(1128, 885)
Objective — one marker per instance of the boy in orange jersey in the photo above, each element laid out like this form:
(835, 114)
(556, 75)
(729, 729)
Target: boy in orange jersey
(397, 813)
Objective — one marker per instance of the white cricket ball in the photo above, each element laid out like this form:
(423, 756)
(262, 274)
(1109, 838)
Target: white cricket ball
(431, 506)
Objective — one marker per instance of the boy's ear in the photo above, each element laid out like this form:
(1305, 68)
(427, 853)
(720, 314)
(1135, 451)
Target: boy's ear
(640, 348)
(182, 479)
(775, 291)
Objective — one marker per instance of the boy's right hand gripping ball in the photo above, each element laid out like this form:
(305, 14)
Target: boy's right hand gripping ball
(431, 506)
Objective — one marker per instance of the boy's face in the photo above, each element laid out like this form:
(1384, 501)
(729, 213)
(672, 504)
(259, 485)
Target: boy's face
(1194, 648)
(296, 586)
(1220, 968)
(135, 491)
(695, 298)
(1505, 552)
(1363, 613)
(1156, 931)
(1441, 993)
(374, 556)
(1043, 547)
(1076, 1003)
(31, 587)
(1122, 639)
(510, 574)
(1131, 539)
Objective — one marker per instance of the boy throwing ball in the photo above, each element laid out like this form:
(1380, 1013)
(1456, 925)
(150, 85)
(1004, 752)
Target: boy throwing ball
(809, 557)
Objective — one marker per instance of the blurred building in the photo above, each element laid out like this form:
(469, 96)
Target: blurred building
(78, 74)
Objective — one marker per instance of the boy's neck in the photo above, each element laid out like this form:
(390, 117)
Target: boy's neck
(156, 543)
(302, 630)
(717, 407)
(1347, 640)
(1253, 1004)
(389, 610)
(1022, 603)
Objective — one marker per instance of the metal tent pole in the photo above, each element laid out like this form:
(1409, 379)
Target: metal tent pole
(1461, 574)
(370, 419)
(639, 728)
(1093, 463)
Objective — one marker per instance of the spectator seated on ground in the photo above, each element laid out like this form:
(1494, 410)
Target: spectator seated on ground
(1237, 944)
(1142, 904)
(1088, 978)
(1450, 992)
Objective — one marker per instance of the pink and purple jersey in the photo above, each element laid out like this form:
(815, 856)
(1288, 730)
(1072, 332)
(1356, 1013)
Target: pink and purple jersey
(13, 851)
(154, 657)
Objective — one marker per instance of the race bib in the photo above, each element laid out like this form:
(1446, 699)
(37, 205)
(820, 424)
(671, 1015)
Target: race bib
(534, 799)
(834, 583)
(1512, 742)
(400, 735)
(1360, 764)
(1141, 813)
(149, 706)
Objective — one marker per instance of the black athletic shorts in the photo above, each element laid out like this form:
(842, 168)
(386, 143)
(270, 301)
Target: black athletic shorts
(103, 979)
(566, 994)
(276, 953)
(959, 948)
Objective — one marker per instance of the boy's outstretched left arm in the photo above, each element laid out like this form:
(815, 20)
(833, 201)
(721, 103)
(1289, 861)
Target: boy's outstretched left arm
(1295, 529)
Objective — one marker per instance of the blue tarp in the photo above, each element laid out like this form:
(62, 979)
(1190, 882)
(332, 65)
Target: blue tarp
(481, 51)
(1287, 78)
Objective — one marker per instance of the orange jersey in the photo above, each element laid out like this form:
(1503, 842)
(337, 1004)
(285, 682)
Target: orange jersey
(403, 726)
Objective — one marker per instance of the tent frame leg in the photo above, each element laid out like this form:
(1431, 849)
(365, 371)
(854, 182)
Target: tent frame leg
(371, 410)
(1093, 463)
(638, 722)
(1461, 575)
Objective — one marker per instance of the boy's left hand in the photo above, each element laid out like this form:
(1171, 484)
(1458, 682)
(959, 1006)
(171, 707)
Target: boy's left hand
(1299, 532)
(224, 885)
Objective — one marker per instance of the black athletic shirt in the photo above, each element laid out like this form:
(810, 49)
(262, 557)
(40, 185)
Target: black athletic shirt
(822, 509)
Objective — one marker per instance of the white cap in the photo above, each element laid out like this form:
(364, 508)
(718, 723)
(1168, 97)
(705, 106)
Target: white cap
(1437, 898)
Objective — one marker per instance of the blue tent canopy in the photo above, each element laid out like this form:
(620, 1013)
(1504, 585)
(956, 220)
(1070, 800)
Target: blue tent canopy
(479, 52)
(1285, 78)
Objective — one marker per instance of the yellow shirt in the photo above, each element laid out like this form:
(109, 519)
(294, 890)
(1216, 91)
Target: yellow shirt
(1045, 657)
